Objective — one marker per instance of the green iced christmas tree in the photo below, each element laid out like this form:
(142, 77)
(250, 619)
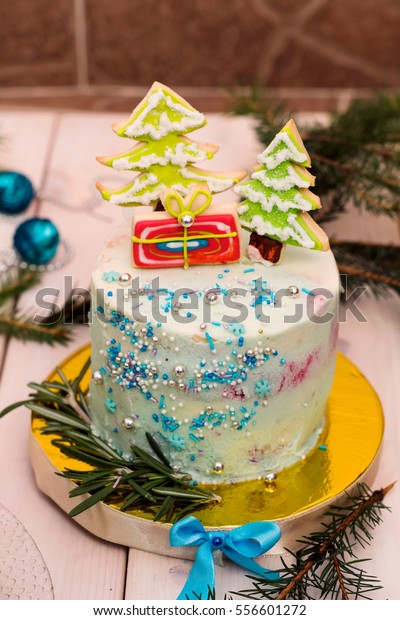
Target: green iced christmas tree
(277, 197)
(163, 157)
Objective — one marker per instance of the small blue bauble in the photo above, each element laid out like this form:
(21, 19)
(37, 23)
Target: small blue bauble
(36, 240)
(16, 192)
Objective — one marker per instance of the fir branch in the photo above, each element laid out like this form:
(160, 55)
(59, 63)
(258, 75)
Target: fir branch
(356, 160)
(25, 328)
(21, 325)
(327, 561)
(377, 266)
(15, 282)
(146, 481)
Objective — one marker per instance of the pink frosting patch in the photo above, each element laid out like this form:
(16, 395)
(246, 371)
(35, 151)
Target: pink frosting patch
(296, 372)
(234, 393)
(333, 335)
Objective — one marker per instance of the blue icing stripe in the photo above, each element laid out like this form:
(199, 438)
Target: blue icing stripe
(177, 246)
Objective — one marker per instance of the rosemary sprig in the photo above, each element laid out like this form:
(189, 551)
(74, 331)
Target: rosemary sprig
(146, 482)
(326, 566)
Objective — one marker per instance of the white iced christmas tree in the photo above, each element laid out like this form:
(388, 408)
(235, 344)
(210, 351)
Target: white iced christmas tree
(277, 197)
(164, 156)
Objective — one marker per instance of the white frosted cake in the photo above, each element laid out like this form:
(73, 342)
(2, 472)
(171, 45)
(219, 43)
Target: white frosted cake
(198, 339)
(227, 401)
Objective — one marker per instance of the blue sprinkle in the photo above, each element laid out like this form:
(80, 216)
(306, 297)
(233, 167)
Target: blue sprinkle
(275, 353)
(109, 390)
(220, 276)
(194, 438)
(210, 341)
(229, 341)
(155, 417)
(110, 405)
(256, 403)
(162, 399)
(226, 270)
(193, 458)
(305, 290)
(165, 376)
(249, 270)
(240, 341)
(216, 323)
(100, 309)
(115, 430)
(109, 294)
(322, 447)
(283, 361)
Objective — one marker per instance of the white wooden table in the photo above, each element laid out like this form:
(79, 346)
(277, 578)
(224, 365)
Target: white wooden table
(57, 151)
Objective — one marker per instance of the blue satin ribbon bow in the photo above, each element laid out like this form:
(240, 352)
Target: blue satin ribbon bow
(240, 545)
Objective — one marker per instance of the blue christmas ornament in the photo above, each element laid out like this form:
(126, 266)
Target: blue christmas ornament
(16, 192)
(36, 240)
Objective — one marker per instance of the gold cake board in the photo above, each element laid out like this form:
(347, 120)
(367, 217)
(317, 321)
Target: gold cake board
(344, 456)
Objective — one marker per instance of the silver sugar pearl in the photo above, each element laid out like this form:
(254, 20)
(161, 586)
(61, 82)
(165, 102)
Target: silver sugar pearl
(97, 377)
(179, 370)
(186, 220)
(218, 467)
(134, 292)
(128, 423)
(176, 468)
(211, 297)
(250, 352)
(117, 359)
(293, 291)
(267, 350)
(172, 382)
(271, 477)
(124, 279)
(141, 291)
(209, 409)
(181, 385)
(155, 338)
(203, 326)
(239, 356)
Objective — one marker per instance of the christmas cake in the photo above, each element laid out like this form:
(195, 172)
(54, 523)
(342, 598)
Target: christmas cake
(198, 339)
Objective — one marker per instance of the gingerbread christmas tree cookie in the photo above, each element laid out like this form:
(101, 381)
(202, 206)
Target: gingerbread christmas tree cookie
(277, 198)
(164, 157)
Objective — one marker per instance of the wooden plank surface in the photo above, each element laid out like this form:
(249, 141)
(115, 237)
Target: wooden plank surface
(81, 566)
(58, 154)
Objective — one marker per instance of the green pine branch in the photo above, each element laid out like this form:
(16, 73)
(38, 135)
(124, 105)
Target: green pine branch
(326, 566)
(374, 265)
(52, 329)
(356, 160)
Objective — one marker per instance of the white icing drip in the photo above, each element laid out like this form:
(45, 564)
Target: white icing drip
(291, 180)
(214, 183)
(182, 156)
(288, 153)
(243, 208)
(137, 186)
(267, 203)
(191, 119)
(294, 231)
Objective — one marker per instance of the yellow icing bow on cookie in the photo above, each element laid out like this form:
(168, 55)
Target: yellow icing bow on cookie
(185, 209)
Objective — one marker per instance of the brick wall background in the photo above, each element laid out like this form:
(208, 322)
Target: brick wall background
(100, 54)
